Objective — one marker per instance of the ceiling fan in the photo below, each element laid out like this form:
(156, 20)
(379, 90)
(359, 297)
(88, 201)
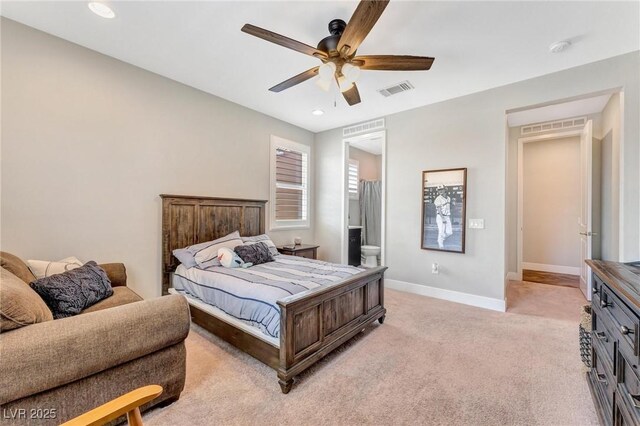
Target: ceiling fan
(338, 52)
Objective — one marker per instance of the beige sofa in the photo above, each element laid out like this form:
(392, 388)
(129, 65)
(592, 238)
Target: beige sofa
(65, 367)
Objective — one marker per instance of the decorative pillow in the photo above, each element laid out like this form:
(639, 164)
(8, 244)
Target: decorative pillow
(43, 268)
(229, 259)
(186, 255)
(264, 238)
(19, 304)
(255, 253)
(208, 256)
(69, 293)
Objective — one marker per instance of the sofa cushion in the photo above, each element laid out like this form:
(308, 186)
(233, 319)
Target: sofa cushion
(16, 266)
(73, 291)
(19, 304)
(120, 296)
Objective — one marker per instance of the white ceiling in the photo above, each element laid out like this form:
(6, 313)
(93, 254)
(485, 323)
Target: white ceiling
(477, 45)
(370, 145)
(559, 111)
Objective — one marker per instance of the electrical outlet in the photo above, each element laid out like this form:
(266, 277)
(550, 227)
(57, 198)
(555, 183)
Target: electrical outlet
(476, 223)
(435, 269)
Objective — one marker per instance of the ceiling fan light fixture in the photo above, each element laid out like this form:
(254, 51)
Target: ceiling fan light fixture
(324, 84)
(102, 10)
(351, 72)
(327, 70)
(344, 84)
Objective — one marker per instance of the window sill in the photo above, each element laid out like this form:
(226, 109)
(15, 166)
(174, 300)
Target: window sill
(276, 227)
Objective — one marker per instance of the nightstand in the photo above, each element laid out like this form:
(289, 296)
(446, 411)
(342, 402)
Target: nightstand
(308, 251)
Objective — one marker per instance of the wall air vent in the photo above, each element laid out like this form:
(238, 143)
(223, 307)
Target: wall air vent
(571, 123)
(396, 88)
(369, 126)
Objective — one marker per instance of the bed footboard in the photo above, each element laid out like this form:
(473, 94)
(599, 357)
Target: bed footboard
(316, 322)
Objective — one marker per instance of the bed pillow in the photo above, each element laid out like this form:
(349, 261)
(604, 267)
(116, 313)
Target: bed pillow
(207, 256)
(71, 292)
(255, 253)
(186, 255)
(44, 268)
(264, 238)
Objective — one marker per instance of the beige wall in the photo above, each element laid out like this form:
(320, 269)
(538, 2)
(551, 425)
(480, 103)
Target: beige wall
(470, 132)
(610, 179)
(370, 164)
(88, 143)
(551, 202)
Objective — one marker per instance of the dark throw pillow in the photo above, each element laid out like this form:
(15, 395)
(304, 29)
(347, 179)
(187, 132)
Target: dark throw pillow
(254, 253)
(71, 292)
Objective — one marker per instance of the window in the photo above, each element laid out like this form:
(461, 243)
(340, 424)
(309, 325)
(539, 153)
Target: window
(354, 177)
(289, 184)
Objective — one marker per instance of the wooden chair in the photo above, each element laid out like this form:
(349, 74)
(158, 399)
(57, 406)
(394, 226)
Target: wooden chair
(128, 404)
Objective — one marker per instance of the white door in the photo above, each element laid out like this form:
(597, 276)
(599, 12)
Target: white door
(585, 220)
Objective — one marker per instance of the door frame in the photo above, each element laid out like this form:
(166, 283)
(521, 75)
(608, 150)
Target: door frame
(344, 234)
(521, 142)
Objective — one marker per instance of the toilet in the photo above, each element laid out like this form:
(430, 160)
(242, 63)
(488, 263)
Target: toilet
(370, 256)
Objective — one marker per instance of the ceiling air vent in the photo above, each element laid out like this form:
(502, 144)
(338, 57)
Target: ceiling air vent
(396, 88)
(553, 125)
(369, 126)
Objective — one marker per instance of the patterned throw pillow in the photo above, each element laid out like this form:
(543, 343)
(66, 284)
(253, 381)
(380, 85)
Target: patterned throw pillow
(256, 253)
(264, 238)
(71, 292)
(44, 268)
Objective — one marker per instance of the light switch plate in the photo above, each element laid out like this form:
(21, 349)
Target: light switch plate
(476, 223)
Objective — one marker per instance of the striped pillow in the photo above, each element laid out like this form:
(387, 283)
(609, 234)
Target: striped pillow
(264, 238)
(44, 268)
(207, 254)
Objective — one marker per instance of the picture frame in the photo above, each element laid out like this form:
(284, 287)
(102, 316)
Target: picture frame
(444, 209)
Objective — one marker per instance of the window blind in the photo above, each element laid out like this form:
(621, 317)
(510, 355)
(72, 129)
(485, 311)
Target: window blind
(291, 184)
(353, 179)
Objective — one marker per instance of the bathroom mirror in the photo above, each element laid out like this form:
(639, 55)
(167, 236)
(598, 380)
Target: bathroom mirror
(444, 209)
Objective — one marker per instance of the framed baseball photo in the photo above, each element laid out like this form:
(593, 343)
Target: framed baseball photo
(444, 194)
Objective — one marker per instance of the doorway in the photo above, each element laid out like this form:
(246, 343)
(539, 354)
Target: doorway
(364, 200)
(562, 192)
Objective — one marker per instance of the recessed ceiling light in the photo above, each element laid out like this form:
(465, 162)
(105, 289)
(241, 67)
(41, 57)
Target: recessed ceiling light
(317, 112)
(101, 10)
(559, 46)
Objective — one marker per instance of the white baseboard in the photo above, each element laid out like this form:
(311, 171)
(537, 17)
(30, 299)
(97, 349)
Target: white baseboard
(557, 269)
(513, 276)
(450, 295)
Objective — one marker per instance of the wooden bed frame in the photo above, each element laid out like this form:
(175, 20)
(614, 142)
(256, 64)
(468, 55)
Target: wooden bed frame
(312, 323)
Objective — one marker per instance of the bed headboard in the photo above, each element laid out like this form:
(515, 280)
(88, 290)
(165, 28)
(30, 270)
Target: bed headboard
(188, 220)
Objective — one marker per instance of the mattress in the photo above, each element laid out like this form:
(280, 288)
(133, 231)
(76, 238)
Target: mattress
(250, 295)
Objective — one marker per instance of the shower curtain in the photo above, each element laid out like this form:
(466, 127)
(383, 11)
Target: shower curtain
(371, 211)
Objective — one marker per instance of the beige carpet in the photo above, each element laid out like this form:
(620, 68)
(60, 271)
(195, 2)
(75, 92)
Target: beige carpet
(431, 362)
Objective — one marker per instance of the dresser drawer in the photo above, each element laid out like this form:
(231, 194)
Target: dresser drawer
(307, 254)
(624, 324)
(628, 391)
(603, 337)
(602, 377)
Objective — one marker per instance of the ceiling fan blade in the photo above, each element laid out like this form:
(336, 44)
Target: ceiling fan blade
(352, 96)
(281, 40)
(361, 22)
(393, 62)
(303, 76)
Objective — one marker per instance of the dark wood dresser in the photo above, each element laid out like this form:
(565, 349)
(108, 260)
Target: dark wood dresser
(615, 358)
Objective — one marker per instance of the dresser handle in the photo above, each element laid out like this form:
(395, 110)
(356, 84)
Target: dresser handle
(601, 378)
(602, 336)
(594, 290)
(604, 304)
(625, 330)
(634, 401)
